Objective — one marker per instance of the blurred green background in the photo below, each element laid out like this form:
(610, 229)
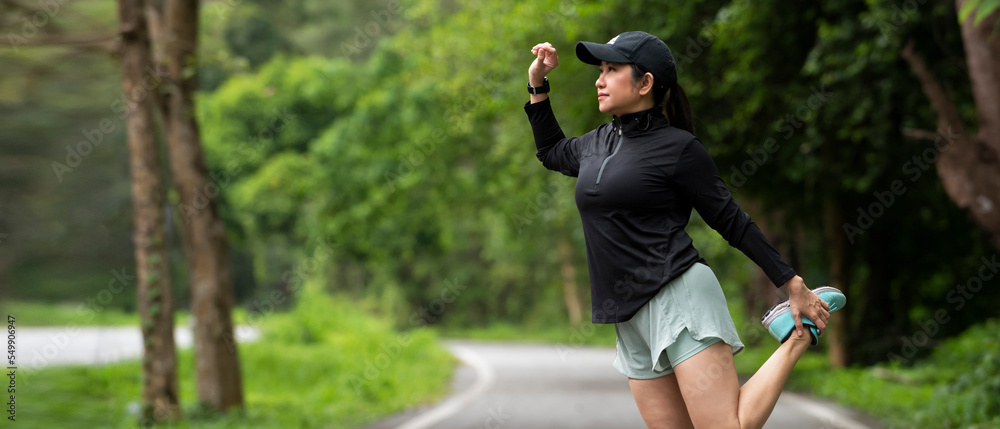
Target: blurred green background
(389, 137)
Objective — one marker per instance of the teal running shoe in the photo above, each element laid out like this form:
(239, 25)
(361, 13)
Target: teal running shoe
(779, 321)
(833, 297)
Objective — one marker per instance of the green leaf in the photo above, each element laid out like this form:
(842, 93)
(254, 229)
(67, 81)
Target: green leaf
(967, 8)
(987, 8)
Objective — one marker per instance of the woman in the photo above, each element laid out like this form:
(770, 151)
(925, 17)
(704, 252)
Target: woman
(638, 179)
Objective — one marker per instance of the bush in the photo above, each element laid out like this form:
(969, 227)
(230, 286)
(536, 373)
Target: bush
(364, 356)
(967, 369)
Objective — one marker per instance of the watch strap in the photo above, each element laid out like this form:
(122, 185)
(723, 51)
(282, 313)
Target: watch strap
(535, 90)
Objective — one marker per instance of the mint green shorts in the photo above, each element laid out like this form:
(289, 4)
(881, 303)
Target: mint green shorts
(687, 316)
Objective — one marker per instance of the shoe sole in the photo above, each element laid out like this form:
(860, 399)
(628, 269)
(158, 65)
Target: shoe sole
(773, 313)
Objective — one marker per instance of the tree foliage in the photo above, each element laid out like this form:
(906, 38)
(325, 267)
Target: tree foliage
(396, 137)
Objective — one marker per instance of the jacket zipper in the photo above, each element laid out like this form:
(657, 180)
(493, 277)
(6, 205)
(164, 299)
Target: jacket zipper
(605, 163)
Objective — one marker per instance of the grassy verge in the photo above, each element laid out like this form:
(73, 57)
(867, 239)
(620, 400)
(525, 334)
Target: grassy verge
(326, 364)
(32, 313)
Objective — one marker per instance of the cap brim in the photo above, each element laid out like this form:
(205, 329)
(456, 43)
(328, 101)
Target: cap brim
(594, 53)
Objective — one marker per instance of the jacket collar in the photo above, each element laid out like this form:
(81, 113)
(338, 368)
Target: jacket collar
(641, 121)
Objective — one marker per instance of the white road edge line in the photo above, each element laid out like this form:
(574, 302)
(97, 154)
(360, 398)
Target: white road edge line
(484, 379)
(830, 418)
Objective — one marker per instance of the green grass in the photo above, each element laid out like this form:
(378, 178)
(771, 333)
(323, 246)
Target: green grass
(31, 313)
(868, 389)
(327, 364)
(34, 313)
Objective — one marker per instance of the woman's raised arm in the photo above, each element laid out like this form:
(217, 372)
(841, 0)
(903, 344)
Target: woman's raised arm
(547, 59)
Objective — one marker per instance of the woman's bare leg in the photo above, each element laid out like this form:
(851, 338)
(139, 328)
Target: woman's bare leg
(711, 391)
(759, 394)
(660, 402)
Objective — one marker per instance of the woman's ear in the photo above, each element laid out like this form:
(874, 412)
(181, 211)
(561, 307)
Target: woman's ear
(646, 84)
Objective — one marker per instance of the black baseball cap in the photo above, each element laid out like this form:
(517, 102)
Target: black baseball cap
(636, 47)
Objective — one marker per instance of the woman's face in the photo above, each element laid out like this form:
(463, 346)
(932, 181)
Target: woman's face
(616, 94)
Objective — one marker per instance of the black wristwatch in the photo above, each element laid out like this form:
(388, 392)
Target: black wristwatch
(539, 89)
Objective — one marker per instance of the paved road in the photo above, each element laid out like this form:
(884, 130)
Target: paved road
(499, 386)
(39, 347)
(542, 386)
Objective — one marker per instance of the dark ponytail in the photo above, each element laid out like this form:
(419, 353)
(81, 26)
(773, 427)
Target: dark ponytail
(676, 107)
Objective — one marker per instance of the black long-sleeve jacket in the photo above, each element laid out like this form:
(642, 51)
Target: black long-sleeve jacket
(637, 180)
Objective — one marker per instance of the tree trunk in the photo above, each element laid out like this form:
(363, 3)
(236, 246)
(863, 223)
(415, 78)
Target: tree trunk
(837, 242)
(875, 303)
(968, 165)
(569, 282)
(159, 360)
(982, 55)
(216, 356)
